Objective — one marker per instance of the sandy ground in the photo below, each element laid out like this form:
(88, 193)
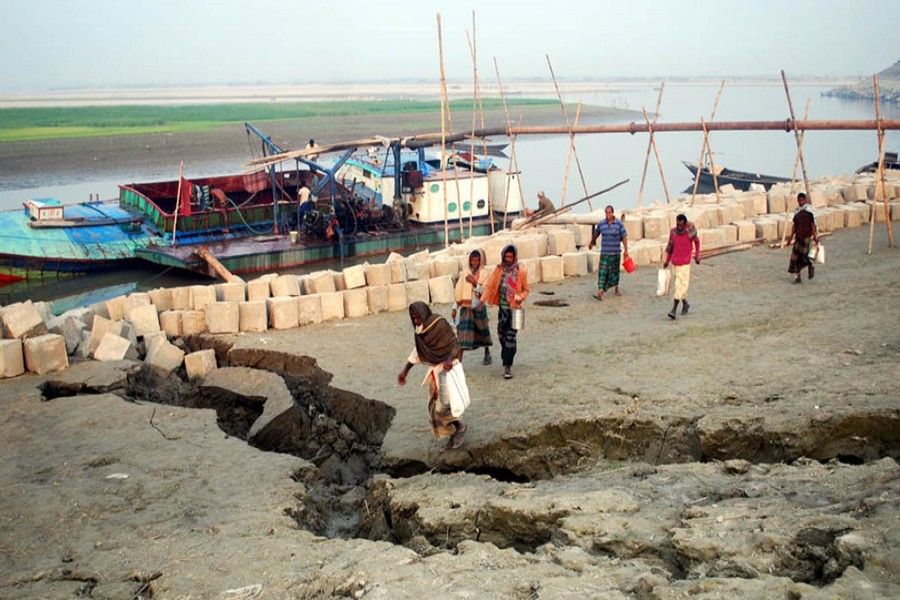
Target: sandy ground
(201, 513)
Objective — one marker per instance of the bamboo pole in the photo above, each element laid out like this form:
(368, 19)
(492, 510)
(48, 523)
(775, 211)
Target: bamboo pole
(177, 202)
(794, 176)
(490, 197)
(712, 118)
(662, 175)
(712, 164)
(884, 198)
(513, 161)
(662, 87)
(796, 136)
(443, 134)
(569, 155)
(472, 142)
(571, 134)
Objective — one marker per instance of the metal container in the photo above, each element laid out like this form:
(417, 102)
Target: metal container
(813, 251)
(518, 318)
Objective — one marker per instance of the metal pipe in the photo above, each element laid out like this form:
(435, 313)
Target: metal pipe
(786, 125)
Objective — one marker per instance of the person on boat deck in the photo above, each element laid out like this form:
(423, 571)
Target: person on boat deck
(678, 252)
(303, 203)
(613, 235)
(474, 330)
(507, 288)
(435, 346)
(545, 206)
(803, 232)
(311, 146)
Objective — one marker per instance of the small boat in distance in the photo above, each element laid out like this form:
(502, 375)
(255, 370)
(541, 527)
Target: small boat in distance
(890, 162)
(741, 180)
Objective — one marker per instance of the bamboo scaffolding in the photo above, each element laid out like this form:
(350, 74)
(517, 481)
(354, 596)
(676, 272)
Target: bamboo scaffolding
(662, 87)
(880, 174)
(472, 141)
(662, 175)
(712, 118)
(177, 202)
(569, 154)
(712, 164)
(796, 136)
(794, 176)
(490, 196)
(443, 133)
(513, 161)
(571, 134)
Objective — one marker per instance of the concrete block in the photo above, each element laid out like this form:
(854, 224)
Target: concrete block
(730, 233)
(527, 245)
(144, 319)
(70, 328)
(193, 322)
(760, 204)
(574, 264)
(540, 240)
(332, 306)
(355, 276)
(492, 249)
(634, 226)
(417, 270)
(727, 189)
(639, 253)
(231, 292)
(417, 291)
(560, 241)
(165, 357)
(532, 267)
(135, 300)
(582, 233)
(356, 303)
(895, 211)
(339, 284)
(397, 297)
(552, 269)
(398, 267)
(321, 282)
(99, 308)
(258, 291)
(283, 312)
(45, 353)
(711, 238)
(253, 316)
(766, 229)
(377, 296)
(83, 314)
(378, 275)
(775, 202)
(100, 328)
(45, 309)
(746, 231)
(441, 290)
(83, 349)
(818, 199)
(593, 260)
(170, 322)
(12, 358)
(879, 211)
(198, 364)
(446, 267)
(656, 225)
(852, 216)
(161, 298)
(855, 193)
(116, 308)
(222, 317)
(181, 298)
(153, 338)
(285, 286)
(309, 309)
(201, 295)
(113, 347)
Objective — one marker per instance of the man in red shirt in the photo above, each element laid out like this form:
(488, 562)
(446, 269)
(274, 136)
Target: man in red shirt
(678, 251)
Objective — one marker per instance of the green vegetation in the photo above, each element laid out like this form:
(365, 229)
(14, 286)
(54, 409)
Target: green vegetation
(23, 124)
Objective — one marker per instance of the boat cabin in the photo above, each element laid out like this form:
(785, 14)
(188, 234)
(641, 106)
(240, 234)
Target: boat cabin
(44, 209)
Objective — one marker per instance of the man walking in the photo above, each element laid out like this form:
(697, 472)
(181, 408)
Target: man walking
(803, 233)
(613, 236)
(678, 251)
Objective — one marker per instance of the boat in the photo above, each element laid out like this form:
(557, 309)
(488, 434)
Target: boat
(890, 162)
(741, 180)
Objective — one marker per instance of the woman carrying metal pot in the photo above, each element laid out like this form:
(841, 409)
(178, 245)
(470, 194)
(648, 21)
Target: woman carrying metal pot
(507, 288)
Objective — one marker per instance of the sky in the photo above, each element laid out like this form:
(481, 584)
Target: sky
(65, 44)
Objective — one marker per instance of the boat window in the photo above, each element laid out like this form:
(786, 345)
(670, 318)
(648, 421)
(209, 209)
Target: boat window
(480, 204)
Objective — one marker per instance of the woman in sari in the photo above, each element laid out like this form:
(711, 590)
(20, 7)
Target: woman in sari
(474, 330)
(507, 288)
(436, 346)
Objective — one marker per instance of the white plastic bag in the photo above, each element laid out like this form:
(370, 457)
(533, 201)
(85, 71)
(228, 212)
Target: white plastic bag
(663, 281)
(454, 390)
(820, 255)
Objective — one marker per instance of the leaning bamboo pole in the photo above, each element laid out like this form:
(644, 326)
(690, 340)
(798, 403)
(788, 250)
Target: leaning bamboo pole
(796, 136)
(712, 164)
(472, 141)
(177, 202)
(490, 193)
(513, 161)
(662, 87)
(571, 134)
(569, 155)
(662, 175)
(443, 133)
(880, 176)
(794, 177)
(712, 117)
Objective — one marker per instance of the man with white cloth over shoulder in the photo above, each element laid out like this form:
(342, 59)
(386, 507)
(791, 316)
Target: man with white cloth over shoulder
(437, 347)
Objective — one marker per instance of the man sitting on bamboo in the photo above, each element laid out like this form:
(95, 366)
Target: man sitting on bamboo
(545, 207)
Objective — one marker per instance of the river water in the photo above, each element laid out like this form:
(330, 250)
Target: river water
(605, 159)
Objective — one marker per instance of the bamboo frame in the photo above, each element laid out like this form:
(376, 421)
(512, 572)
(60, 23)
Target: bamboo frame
(569, 155)
(443, 133)
(794, 175)
(662, 175)
(490, 197)
(571, 134)
(662, 87)
(712, 117)
(879, 178)
(513, 160)
(712, 164)
(796, 136)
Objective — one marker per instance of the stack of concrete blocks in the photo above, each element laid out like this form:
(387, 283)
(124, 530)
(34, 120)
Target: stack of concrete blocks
(199, 364)
(574, 264)
(21, 320)
(552, 269)
(333, 306)
(164, 357)
(12, 358)
(253, 317)
(283, 312)
(441, 289)
(45, 353)
(222, 317)
(309, 309)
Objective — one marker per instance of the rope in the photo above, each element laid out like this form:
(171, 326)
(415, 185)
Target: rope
(244, 221)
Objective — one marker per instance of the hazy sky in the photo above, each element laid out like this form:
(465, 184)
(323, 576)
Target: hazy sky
(48, 44)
